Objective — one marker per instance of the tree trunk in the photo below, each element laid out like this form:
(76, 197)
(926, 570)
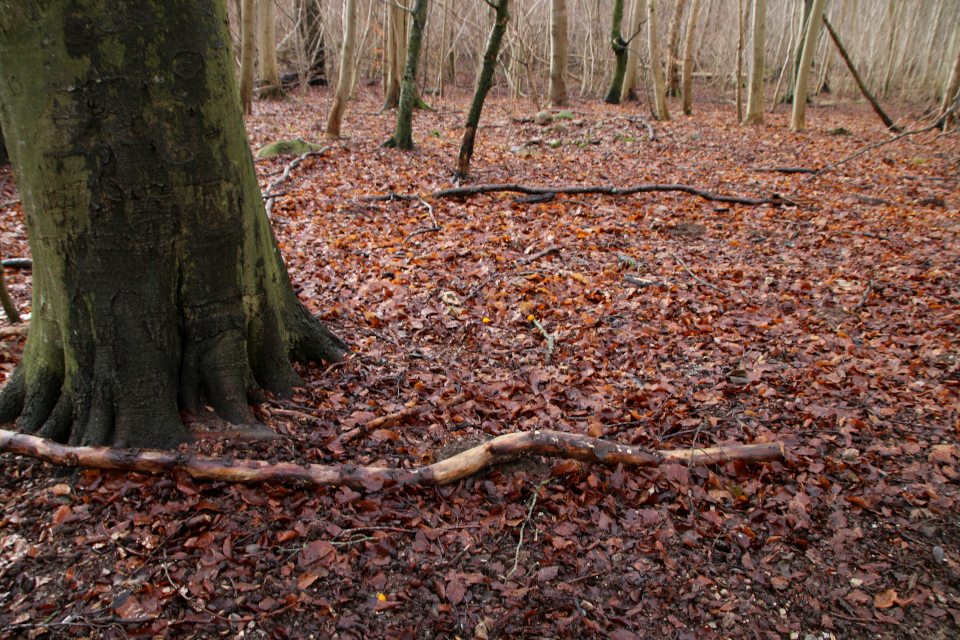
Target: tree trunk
(638, 15)
(396, 53)
(484, 82)
(158, 286)
(738, 80)
(755, 97)
(950, 94)
(659, 90)
(688, 58)
(798, 53)
(348, 66)
(673, 49)
(856, 76)
(403, 134)
(311, 32)
(558, 53)
(444, 47)
(799, 120)
(619, 52)
(267, 46)
(9, 308)
(248, 54)
(893, 20)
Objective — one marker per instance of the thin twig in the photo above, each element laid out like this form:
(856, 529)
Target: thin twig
(269, 196)
(533, 503)
(836, 164)
(703, 282)
(551, 338)
(866, 294)
(419, 232)
(537, 256)
(458, 192)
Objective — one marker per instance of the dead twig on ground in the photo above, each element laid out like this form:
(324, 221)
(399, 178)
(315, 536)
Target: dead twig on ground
(409, 412)
(701, 281)
(459, 192)
(555, 444)
(523, 525)
(269, 196)
(537, 256)
(831, 167)
(785, 169)
(419, 232)
(551, 338)
(866, 294)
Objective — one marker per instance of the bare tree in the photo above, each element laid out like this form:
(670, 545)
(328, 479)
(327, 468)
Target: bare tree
(659, 90)
(403, 133)
(950, 93)
(638, 15)
(799, 120)
(248, 52)
(558, 53)
(620, 54)
(755, 98)
(347, 70)
(673, 49)
(267, 45)
(395, 52)
(688, 58)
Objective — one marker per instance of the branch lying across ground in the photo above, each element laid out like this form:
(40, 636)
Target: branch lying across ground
(457, 192)
(411, 412)
(836, 164)
(269, 196)
(553, 444)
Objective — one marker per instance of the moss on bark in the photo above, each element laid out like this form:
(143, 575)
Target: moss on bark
(157, 282)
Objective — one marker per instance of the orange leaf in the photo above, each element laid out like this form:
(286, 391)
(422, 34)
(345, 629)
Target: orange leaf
(885, 599)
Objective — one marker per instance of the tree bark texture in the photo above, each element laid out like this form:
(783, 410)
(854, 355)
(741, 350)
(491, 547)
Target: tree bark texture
(403, 133)
(688, 51)
(950, 94)
(659, 90)
(638, 15)
(484, 82)
(673, 49)
(558, 53)
(396, 53)
(798, 121)
(755, 94)
(267, 48)
(856, 76)
(248, 54)
(348, 65)
(619, 53)
(158, 285)
(553, 444)
(738, 79)
(798, 53)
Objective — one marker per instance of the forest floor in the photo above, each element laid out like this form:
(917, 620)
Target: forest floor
(829, 323)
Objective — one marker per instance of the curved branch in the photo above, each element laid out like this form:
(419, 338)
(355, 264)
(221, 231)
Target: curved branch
(554, 444)
(457, 192)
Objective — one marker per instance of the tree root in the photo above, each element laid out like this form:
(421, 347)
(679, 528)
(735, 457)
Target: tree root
(552, 444)
(458, 192)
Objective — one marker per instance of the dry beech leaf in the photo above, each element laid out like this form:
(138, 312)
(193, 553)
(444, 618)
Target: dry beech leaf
(885, 599)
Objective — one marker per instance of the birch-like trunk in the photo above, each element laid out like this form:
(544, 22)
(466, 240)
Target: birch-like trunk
(347, 70)
(558, 53)
(798, 121)
(755, 97)
(248, 54)
(659, 90)
(267, 47)
(688, 58)
(638, 13)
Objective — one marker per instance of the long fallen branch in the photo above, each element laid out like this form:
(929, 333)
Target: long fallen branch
(457, 192)
(553, 444)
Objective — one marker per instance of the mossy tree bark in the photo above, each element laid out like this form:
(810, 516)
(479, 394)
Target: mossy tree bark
(484, 82)
(158, 285)
(619, 53)
(557, 91)
(403, 133)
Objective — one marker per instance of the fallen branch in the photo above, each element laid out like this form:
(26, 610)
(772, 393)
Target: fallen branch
(269, 196)
(458, 192)
(537, 256)
(640, 284)
(866, 294)
(18, 330)
(703, 282)
(785, 170)
(836, 164)
(410, 412)
(554, 444)
(419, 232)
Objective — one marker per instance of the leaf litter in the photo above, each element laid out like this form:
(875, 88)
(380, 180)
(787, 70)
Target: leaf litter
(829, 323)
